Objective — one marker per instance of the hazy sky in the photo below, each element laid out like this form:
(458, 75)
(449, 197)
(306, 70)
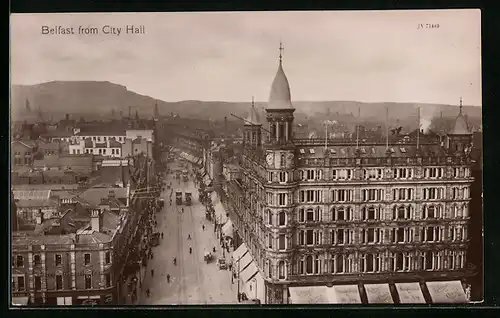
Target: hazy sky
(369, 56)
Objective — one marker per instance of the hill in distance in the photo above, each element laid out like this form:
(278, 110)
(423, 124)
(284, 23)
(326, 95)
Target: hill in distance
(97, 99)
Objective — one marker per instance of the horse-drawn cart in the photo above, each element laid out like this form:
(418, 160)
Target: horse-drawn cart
(208, 257)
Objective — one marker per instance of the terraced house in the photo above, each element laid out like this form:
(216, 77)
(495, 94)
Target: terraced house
(378, 221)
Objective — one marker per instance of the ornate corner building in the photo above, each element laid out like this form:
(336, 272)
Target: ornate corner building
(316, 214)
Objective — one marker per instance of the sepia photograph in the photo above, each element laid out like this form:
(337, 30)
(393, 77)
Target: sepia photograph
(246, 158)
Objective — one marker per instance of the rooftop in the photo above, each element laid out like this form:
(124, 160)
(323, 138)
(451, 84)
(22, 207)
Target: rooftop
(372, 151)
(95, 194)
(39, 187)
(36, 203)
(26, 143)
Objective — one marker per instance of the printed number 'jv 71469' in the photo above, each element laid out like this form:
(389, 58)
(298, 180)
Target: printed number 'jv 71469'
(427, 26)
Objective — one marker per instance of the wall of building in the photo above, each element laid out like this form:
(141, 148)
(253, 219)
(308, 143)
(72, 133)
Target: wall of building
(72, 269)
(133, 148)
(134, 134)
(27, 215)
(20, 154)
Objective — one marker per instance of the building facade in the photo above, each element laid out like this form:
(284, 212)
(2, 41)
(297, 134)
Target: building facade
(349, 213)
(82, 267)
(22, 152)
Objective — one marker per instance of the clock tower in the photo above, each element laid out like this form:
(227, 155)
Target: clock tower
(279, 187)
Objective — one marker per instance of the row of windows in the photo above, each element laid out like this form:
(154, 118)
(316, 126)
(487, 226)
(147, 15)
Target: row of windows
(281, 176)
(98, 138)
(102, 151)
(378, 173)
(20, 161)
(37, 261)
(372, 263)
(369, 195)
(19, 282)
(382, 235)
(18, 153)
(401, 212)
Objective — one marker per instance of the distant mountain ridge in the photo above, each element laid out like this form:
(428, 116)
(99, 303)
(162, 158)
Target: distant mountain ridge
(98, 98)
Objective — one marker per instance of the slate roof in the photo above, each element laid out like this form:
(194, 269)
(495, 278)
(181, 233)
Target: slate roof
(103, 129)
(94, 195)
(50, 146)
(22, 203)
(26, 143)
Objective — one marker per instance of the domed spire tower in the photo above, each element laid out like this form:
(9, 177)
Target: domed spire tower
(252, 135)
(460, 137)
(279, 108)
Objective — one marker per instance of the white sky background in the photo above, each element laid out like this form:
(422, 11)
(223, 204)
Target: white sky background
(368, 56)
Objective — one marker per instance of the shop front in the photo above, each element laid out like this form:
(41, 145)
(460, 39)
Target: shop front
(447, 292)
(439, 292)
(20, 300)
(410, 293)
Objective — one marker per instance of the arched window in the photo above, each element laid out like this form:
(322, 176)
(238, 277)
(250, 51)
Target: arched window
(282, 218)
(431, 212)
(334, 214)
(341, 214)
(301, 215)
(310, 215)
(369, 213)
(273, 130)
(269, 217)
(340, 261)
(401, 212)
(309, 264)
(281, 270)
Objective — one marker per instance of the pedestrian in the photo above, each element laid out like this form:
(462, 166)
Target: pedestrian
(152, 272)
(190, 250)
(147, 292)
(214, 249)
(203, 227)
(162, 235)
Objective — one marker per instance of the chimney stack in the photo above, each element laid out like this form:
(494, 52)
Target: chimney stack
(95, 220)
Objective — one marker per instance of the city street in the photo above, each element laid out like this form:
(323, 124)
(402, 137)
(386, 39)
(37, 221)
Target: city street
(192, 280)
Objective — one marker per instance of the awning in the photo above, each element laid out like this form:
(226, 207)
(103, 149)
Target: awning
(20, 301)
(344, 294)
(249, 271)
(450, 292)
(239, 252)
(243, 262)
(255, 288)
(227, 229)
(410, 293)
(309, 295)
(378, 294)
